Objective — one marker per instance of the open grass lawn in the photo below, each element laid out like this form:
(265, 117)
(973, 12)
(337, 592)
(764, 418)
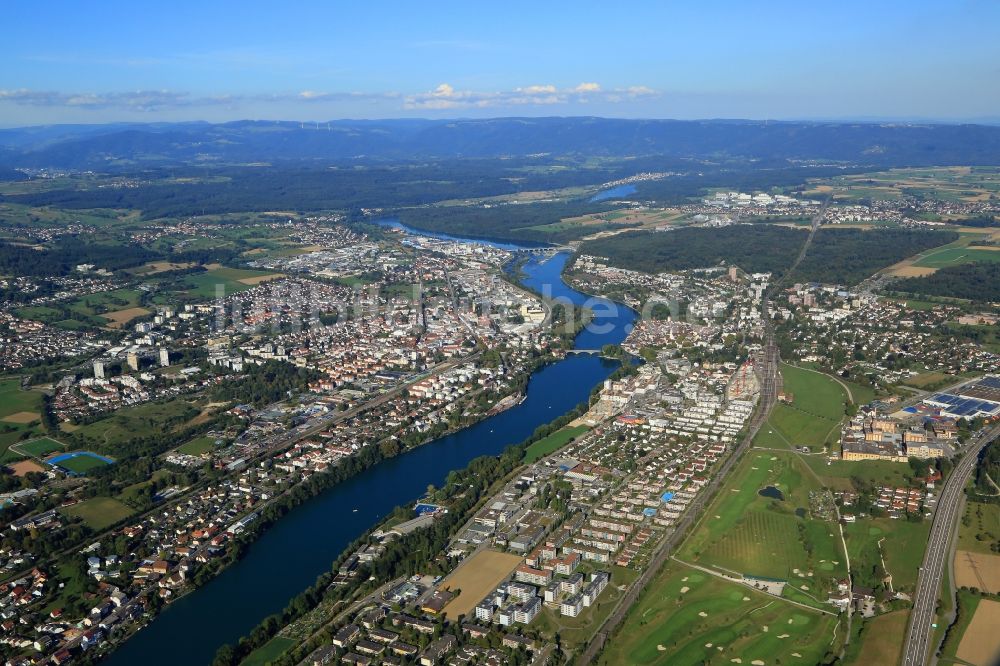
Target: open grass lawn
(689, 617)
(198, 446)
(745, 532)
(979, 528)
(553, 442)
(903, 545)
(814, 392)
(119, 427)
(99, 512)
(837, 474)
(813, 417)
(269, 651)
(881, 639)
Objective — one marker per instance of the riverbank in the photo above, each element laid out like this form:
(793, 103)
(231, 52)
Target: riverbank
(295, 550)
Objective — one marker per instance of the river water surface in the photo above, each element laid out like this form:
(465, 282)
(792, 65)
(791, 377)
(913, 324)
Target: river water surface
(289, 556)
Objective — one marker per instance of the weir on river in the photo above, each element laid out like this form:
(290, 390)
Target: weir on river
(289, 556)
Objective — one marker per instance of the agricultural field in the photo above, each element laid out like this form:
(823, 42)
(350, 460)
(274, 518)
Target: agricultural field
(476, 577)
(120, 318)
(980, 642)
(687, 616)
(98, 512)
(958, 184)
(965, 250)
(881, 640)
(553, 442)
(232, 280)
(978, 570)
(154, 267)
(746, 532)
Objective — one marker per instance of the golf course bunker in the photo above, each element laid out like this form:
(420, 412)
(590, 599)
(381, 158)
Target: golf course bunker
(772, 492)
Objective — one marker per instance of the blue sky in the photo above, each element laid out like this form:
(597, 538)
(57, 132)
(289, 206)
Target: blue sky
(78, 61)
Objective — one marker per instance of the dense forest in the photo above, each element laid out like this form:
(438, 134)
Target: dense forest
(62, 257)
(978, 281)
(844, 256)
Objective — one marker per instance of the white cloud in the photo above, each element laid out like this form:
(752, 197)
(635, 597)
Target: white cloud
(537, 90)
(640, 91)
(444, 96)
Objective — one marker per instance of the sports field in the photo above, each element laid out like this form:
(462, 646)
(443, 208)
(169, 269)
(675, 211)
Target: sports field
(99, 512)
(79, 462)
(39, 447)
(686, 617)
(475, 578)
(553, 442)
(198, 446)
(745, 532)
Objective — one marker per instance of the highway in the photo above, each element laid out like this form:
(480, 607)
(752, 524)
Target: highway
(917, 648)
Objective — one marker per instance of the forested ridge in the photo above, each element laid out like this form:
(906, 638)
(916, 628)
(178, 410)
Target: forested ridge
(844, 256)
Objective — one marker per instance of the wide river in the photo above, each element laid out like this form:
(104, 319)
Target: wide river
(289, 556)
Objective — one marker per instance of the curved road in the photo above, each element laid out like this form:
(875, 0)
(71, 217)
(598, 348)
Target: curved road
(920, 629)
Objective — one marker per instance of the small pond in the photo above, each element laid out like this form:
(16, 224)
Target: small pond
(772, 492)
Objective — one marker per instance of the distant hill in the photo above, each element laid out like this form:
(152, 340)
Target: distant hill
(125, 146)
